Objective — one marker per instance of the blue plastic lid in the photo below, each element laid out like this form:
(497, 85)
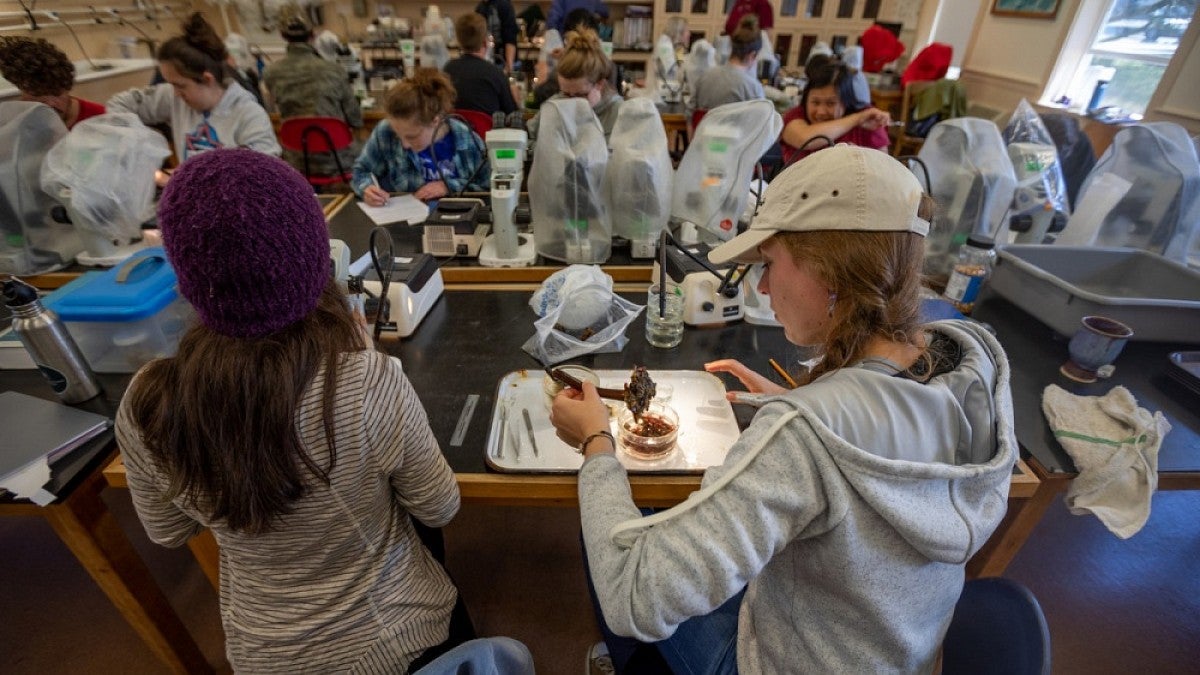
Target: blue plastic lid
(136, 289)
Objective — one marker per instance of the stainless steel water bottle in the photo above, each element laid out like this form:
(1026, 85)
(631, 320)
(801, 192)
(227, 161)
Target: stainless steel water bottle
(46, 339)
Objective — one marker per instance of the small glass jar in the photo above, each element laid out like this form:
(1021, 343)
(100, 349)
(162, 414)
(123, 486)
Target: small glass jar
(651, 437)
(974, 265)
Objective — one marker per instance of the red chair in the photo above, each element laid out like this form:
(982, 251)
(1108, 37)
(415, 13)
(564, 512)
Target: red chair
(318, 134)
(698, 115)
(481, 122)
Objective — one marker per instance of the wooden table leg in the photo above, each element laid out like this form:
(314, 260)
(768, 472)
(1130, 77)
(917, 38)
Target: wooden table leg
(1003, 550)
(93, 535)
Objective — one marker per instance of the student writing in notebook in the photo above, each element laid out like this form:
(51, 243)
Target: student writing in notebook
(421, 149)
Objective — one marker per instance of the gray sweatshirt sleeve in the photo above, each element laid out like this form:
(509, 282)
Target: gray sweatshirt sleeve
(257, 133)
(151, 104)
(700, 553)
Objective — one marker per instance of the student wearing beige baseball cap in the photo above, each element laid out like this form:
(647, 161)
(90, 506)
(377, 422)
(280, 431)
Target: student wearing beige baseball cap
(846, 224)
(853, 500)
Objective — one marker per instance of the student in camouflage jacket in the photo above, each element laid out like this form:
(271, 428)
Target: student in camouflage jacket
(302, 84)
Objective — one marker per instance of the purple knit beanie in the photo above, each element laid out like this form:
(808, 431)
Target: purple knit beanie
(247, 239)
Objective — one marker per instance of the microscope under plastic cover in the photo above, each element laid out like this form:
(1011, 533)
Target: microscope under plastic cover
(504, 247)
(712, 184)
(1031, 163)
(31, 241)
(972, 182)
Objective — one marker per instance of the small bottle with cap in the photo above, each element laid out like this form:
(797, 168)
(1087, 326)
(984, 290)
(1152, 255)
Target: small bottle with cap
(46, 339)
(974, 265)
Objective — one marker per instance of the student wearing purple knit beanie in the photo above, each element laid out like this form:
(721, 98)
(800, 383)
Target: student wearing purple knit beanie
(276, 426)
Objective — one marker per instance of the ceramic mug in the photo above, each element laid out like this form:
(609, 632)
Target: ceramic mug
(1097, 343)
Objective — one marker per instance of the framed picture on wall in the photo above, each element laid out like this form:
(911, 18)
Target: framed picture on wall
(1034, 9)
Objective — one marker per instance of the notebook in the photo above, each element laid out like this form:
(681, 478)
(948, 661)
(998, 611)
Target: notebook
(36, 428)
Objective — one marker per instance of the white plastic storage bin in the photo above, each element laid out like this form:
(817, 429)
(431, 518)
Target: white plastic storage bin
(128, 315)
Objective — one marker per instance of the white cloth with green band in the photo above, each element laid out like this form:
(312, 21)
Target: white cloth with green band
(1114, 444)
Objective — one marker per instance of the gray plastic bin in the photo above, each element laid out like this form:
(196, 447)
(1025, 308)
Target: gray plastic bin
(1158, 298)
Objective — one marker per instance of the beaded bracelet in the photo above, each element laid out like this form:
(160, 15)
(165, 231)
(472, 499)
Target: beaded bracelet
(606, 434)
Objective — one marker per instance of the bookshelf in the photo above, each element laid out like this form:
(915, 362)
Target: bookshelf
(799, 24)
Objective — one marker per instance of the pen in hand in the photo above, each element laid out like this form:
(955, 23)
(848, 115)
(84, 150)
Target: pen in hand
(375, 184)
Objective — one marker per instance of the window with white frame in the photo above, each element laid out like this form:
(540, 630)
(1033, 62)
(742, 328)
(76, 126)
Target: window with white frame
(1117, 54)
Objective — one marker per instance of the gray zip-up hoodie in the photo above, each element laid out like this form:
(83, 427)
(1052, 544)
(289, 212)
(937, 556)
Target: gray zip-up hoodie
(848, 509)
(237, 121)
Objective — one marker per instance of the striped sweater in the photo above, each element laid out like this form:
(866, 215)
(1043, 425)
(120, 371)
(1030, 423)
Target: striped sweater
(342, 583)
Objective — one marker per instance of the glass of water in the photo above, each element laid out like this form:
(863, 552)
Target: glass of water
(664, 317)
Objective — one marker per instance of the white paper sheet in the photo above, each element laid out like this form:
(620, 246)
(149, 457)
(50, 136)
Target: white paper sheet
(403, 207)
(27, 482)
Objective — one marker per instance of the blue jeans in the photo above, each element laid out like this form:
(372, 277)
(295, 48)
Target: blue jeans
(702, 645)
(705, 645)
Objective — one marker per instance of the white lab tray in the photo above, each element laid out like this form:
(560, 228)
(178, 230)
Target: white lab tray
(707, 426)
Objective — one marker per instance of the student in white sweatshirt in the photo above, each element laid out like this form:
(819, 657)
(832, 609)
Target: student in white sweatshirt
(200, 100)
(834, 536)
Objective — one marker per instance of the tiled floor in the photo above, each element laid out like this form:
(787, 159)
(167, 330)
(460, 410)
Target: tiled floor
(1113, 606)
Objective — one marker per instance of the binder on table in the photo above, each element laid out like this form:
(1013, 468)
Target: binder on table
(34, 428)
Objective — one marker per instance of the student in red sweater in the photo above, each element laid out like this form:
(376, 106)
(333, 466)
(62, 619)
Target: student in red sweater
(44, 74)
(829, 109)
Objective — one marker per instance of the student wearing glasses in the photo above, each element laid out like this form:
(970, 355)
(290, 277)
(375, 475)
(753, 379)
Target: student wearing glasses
(583, 72)
(421, 149)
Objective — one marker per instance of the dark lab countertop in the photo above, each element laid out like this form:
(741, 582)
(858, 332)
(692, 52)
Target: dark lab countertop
(1036, 351)
(352, 226)
(471, 339)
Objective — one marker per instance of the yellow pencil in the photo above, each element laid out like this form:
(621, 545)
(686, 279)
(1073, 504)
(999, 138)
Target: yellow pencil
(783, 373)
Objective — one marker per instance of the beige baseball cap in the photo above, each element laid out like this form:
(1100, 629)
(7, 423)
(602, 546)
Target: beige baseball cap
(845, 187)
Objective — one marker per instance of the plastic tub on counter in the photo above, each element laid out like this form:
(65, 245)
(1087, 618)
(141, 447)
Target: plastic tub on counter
(1059, 285)
(127, 316)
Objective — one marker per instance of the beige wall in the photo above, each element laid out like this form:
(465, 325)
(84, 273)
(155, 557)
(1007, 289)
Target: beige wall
(99, 40)
(1012, 58)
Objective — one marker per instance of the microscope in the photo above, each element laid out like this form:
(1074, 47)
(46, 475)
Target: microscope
(1032, 209)
(504, 247)
(715, 199)
(408, 52)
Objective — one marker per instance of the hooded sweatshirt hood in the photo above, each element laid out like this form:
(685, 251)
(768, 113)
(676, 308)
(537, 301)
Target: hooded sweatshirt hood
(943, 487)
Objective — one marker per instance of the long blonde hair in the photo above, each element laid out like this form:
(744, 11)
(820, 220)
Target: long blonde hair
(875, 278)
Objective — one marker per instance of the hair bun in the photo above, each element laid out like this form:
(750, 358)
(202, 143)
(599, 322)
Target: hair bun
(585, 38)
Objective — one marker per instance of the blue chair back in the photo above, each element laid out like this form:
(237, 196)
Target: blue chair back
(998, 627)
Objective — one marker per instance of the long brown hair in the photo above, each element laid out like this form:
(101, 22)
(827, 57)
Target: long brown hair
(219, 416)
(876, 277)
